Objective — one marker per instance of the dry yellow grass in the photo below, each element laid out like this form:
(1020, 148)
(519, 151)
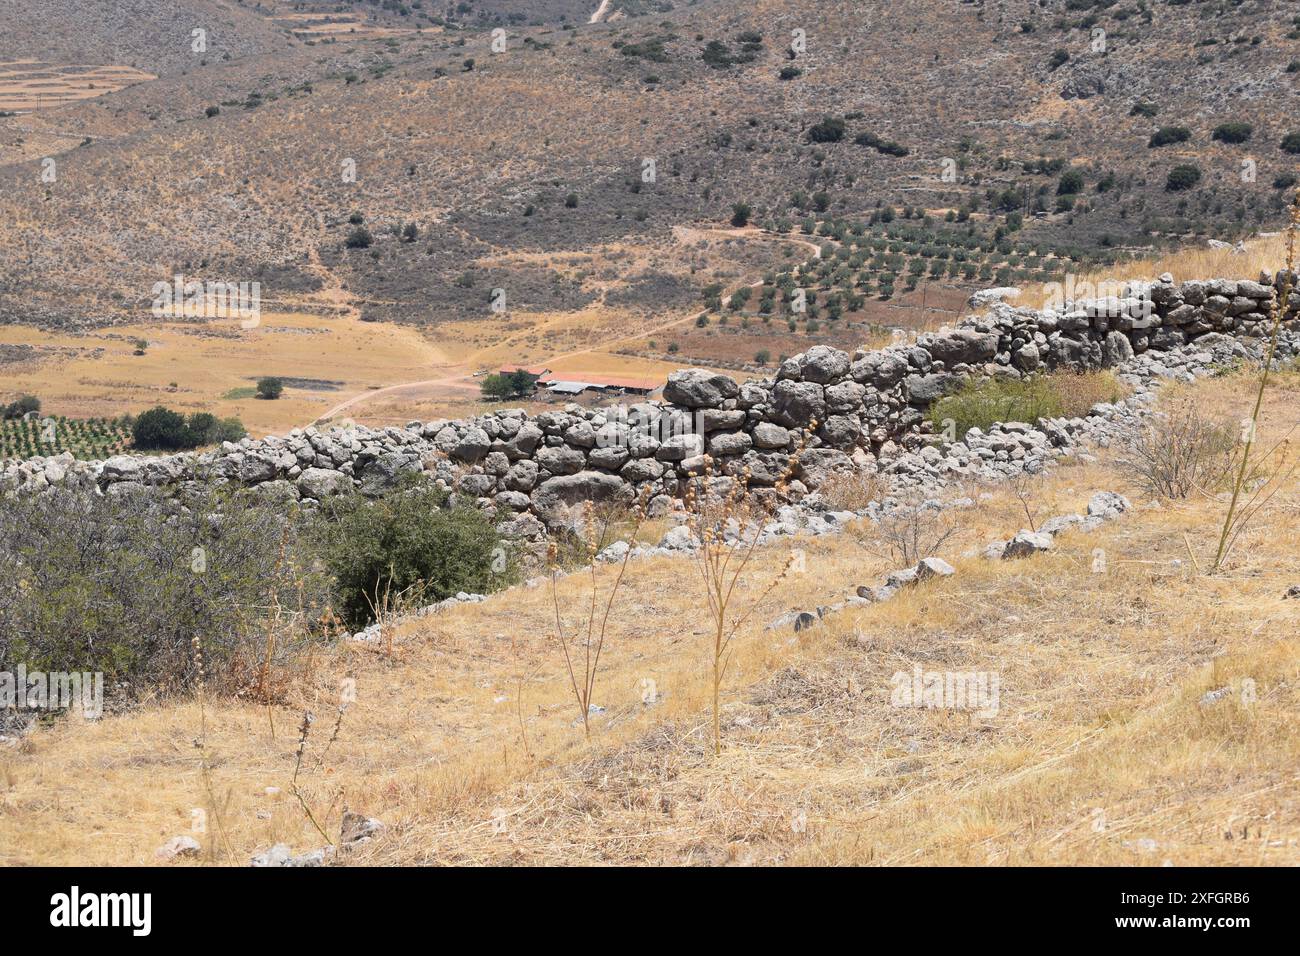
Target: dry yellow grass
(33, 85)
(1264, 254)
(98, 374)
(464, 742)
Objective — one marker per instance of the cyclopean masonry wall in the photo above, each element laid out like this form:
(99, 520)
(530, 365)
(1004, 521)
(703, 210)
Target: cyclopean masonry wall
(868, 406)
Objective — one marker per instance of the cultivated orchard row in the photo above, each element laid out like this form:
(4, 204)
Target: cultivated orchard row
(89, 439)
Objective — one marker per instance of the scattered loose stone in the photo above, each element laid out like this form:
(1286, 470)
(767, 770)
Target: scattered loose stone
(177, 847)
(1027, 543)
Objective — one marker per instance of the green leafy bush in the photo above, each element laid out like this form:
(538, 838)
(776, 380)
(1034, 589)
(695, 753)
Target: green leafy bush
(510, 385)
(21, 407)
(829, 130)
(1183, 177)
(1168, 135)
(161, 429)
(982, 403)
(270, 387)
(413, 546)
(1232, 132)
(115, 584)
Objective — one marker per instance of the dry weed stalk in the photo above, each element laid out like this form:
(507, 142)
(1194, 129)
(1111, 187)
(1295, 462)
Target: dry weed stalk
(910, 532)
(594, 643)
(1234, 523)
(215, 808)
(304, 731)
(387, 607)
(1024, 490)
(726, 545)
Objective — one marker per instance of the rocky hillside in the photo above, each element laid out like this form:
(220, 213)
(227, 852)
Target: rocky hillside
(1017, 112)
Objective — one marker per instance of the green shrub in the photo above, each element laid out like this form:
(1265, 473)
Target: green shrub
(1168, 135)
(980, 404)
(360, 238)
(1291, 143)
(161, 429)
(1232, 132)
(829, 130)
(1183, 177)
(511, 385)
(412, 546)
(21, 407)
(114, 584)
(270, 388)
(1071, 183)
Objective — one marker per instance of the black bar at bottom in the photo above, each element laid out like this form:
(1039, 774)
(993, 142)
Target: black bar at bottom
(337, 905)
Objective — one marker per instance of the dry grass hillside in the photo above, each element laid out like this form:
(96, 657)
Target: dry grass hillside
(152, 35)
(483, 158)
(463, 740)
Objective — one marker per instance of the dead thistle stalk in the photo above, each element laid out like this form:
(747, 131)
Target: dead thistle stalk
(1280, 305)
(594, 643)
(721, 559)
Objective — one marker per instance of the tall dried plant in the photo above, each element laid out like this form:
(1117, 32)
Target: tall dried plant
(594, 533)
(1232, 522)
(727, 532)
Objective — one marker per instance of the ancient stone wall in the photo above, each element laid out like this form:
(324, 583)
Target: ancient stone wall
(865, 406)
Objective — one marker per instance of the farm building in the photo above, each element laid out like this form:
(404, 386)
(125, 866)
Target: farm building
(600, 383)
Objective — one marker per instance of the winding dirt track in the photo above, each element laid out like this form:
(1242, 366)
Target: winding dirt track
(461, 377)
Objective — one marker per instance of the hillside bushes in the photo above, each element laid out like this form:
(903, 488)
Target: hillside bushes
(1183, 177)
(1168, 135)
(124, 583)
(412, 547)
(24, 405)
(981, 404)
(161, 429)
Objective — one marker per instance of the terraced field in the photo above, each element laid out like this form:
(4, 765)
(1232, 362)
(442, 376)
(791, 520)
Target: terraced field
(35, 85)
(86, 438)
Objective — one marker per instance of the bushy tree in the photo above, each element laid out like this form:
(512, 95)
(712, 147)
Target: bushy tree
(1167, 135)
(270, 388)
(161, 429)
(23, 406)
(1183, 177)
(829, 130)
(414, 543)
(1232, 132)
(1071, 183)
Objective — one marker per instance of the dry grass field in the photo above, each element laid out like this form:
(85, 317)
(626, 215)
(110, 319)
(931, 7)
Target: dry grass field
(32, 85)
(465, 741)
(214, 366)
